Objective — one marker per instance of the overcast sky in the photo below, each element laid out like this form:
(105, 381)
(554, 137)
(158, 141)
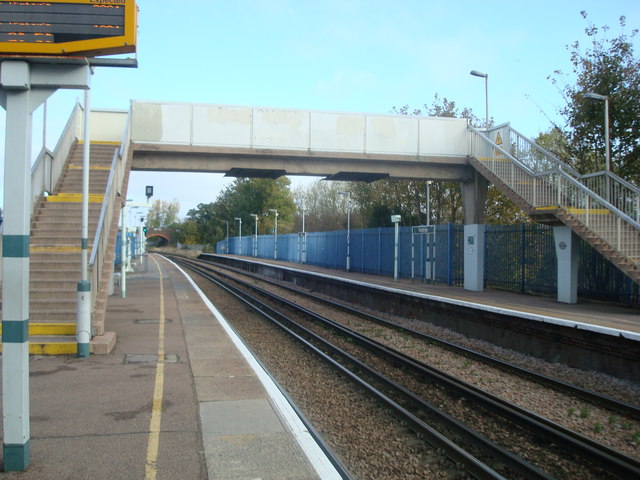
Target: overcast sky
(343, 55)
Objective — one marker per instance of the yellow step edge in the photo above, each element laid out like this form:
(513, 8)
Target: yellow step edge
(551, 207)
(74, 198)
(52, 348)
(54, 249)
(100, 142)
(50, 329)
(591, 211)
(96, 167)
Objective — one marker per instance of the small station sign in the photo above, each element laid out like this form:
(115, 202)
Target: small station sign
(68, 28)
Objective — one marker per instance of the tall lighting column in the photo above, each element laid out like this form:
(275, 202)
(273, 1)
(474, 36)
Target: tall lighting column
(348, 195)
(476, 73)
(255, 235)
(596, 96)
(275, 234)
(239, 234)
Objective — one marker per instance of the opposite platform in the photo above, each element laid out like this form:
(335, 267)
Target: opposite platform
(176, 399)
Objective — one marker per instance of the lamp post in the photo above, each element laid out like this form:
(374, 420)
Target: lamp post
(255, 235)
(348, 195)
(395, 219)
(275, 234)
(239, 234)
(303, 240)
(596, 96)
(476, 73)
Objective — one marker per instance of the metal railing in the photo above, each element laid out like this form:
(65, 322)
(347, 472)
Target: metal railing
(99, 249)
(48, 167)
(542, 180)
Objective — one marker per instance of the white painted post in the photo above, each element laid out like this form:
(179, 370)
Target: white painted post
(83, 312)
(15, 265)
(567, 255)
(474, 257)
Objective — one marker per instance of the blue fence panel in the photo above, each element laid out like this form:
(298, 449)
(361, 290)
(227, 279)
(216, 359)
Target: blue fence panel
(521, 258)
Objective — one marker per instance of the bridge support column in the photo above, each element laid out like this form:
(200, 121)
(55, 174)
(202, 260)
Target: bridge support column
(567, 253)
(474, 199)
(474, 257)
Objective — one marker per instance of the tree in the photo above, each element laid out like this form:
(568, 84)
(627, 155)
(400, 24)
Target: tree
(606, 66)
(163, 214)
(239, 200)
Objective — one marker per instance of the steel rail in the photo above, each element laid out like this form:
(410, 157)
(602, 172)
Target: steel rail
(608, 458)
(435, 438)
(605, 401)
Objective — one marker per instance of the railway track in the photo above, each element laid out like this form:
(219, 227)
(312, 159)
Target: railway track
(489, 436)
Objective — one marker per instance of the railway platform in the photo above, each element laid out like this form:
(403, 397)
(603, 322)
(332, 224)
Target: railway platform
(179, 397)
(585, 314)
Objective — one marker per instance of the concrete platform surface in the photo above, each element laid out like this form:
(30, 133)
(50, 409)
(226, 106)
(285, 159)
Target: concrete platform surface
(177, 398)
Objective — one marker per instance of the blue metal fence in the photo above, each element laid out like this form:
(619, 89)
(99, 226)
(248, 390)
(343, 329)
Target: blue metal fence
(520, 258)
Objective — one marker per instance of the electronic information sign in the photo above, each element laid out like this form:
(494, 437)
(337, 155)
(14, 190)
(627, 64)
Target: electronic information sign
(69, 27)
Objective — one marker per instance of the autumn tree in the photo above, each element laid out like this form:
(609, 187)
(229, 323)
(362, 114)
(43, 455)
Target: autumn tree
(239, 200)
(606, 66)
(163, 214)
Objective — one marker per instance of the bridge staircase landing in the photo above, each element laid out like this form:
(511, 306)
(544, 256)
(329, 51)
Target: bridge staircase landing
(602, 208)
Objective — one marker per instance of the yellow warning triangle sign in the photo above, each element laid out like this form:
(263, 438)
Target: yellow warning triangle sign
(498, 139)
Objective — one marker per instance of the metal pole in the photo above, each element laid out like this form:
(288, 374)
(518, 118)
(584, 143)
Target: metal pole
(227, 236)
(15, 272)
(275, 231)
(239, 234)
(606, 133)
(486, 101)
(395, 253)
(304, 240)
(123, 252)
(83, 311)
(349, 233)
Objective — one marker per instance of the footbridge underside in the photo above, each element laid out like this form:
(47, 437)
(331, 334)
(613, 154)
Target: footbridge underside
(267, 142)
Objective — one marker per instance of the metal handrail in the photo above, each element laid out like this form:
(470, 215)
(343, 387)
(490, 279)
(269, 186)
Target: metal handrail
(562, 189)
(103, 211)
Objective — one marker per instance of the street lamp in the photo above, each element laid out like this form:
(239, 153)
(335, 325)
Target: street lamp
(596, 96)
(348, 195)
(255, 239)
(476, 73)
(303, 240)
(239, 233)
(275, 234)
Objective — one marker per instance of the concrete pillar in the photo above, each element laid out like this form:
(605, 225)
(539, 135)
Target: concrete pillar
(567, 252)
(474, 199)
(474, 257)
(15, 265)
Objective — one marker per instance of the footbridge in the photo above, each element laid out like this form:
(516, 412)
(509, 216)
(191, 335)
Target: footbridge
(266, 142)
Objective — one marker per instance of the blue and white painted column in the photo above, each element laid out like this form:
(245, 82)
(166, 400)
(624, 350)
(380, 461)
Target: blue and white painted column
(16, 95)
(23, 87)
(567, 253)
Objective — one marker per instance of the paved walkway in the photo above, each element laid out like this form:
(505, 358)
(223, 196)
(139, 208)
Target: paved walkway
(202, 412)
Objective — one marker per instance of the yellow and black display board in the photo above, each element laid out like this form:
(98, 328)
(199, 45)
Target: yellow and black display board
(69, 27)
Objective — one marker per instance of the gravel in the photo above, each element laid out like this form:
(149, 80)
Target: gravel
(372, 444)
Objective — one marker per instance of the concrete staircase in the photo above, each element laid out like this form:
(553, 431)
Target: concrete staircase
(552, 193)
(55, 251)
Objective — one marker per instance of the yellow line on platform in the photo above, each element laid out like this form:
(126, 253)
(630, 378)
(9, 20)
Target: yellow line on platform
(151, 465)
